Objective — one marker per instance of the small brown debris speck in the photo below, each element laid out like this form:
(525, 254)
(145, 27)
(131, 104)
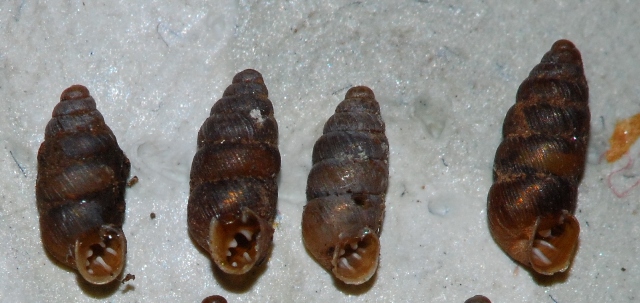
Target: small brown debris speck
(133, 181)
(128, 277)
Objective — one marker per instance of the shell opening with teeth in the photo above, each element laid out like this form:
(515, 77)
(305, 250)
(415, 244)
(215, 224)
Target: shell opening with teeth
(238, 242)
(554, 243)
(100, 254)
(355, 260)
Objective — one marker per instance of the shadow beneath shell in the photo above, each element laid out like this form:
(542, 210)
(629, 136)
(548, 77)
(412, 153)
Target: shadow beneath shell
(348, 289)
(239, 283)
(355, 290)
(544, 280)
(98, 291)
(235, 283)
(92, 290)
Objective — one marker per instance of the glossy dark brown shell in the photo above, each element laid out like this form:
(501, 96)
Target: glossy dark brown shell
(540, 163)
(233, 190)
(82, 174)
(214, 299)
(346, 189)
(478, 299)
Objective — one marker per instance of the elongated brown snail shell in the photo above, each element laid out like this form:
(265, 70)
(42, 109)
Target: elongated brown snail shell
(82, 174)
(540, 162)
(233, 189)
(346, 189)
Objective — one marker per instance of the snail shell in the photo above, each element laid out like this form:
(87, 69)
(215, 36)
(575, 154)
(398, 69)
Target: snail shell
(233, 190)
(82, 174)
(540, 162)
(346, 189)
(214, 299)
(478, 299)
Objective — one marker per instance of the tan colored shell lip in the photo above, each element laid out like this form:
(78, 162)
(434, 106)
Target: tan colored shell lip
(557, 251)
(240, 243)
(93, 247)
(355, 259)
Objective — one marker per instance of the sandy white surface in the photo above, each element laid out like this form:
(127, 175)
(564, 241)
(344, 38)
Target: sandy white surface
(444, 72)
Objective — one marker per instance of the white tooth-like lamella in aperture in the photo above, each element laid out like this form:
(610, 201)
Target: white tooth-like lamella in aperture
(102, 263)
(246, 233)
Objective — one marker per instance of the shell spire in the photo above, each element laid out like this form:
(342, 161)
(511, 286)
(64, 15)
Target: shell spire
(540, 163)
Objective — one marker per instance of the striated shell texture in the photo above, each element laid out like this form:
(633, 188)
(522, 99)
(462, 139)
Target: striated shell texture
(233, 189)
(82, 174)
(540, 163)
(346, 189)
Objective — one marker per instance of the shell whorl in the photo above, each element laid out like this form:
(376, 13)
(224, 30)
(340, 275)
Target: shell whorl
(346, 189)
(233, 190)
(540, 162)
(82, 174)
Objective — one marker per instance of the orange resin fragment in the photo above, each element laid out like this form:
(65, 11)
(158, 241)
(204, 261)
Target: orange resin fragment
(624, 135)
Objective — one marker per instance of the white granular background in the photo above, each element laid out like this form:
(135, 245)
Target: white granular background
(445, 74)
